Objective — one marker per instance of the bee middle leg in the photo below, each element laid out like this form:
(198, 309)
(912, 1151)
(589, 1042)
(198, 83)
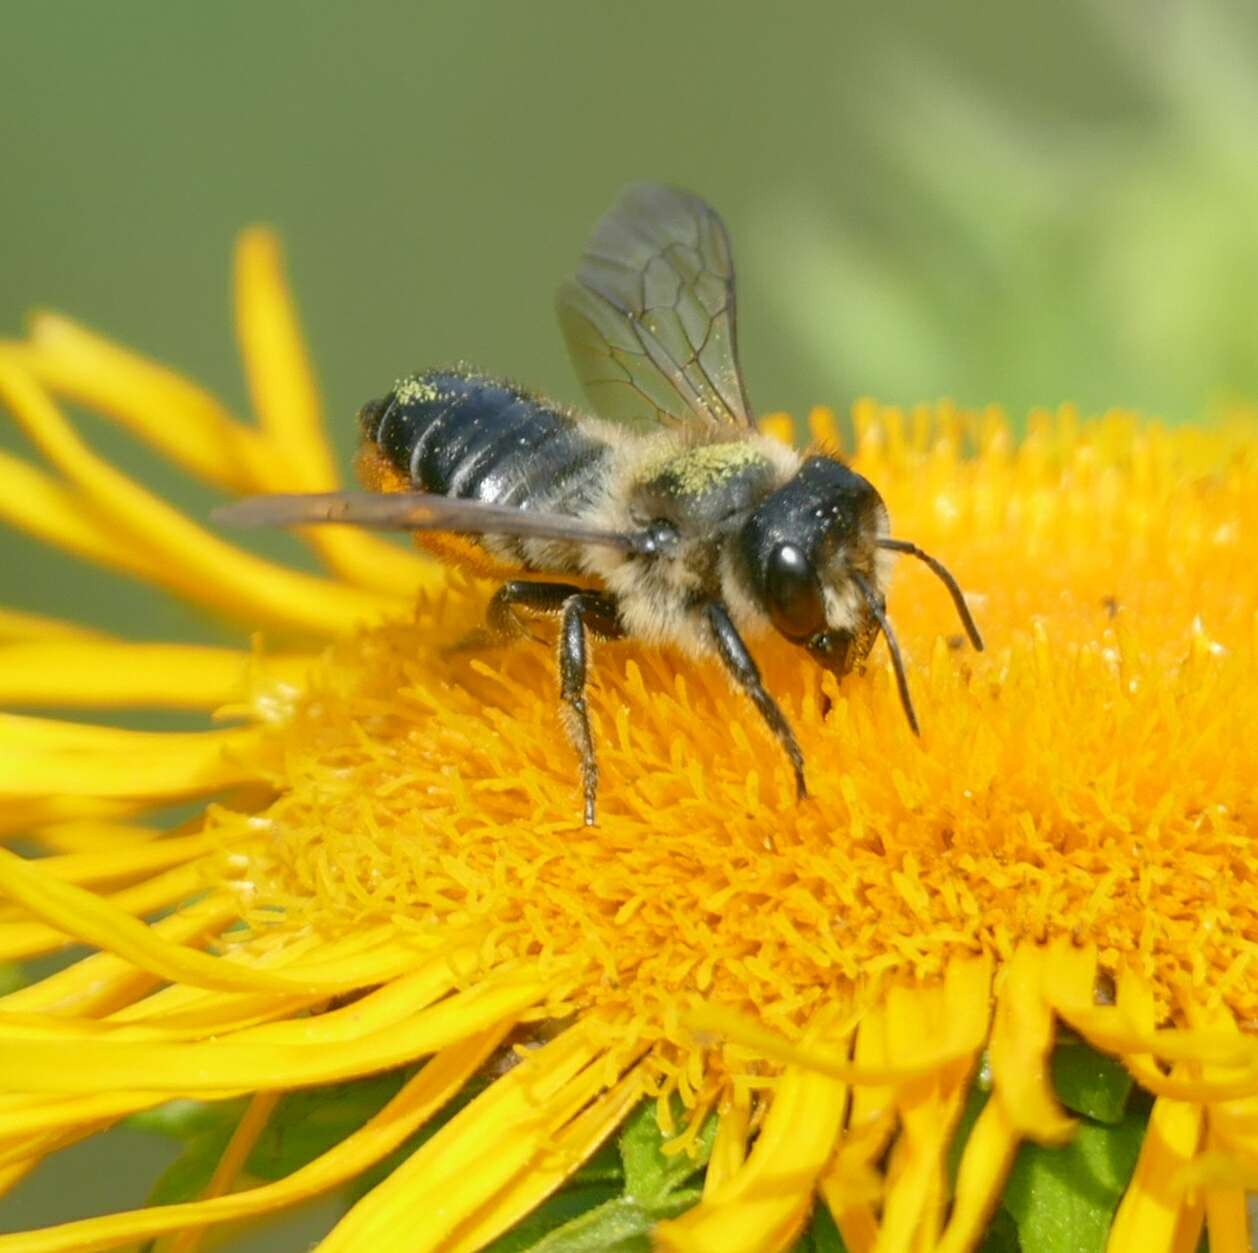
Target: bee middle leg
(503, 623)
(596, 612)
(742, 668)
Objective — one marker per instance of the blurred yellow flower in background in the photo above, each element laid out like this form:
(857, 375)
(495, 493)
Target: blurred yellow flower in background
(390, 867)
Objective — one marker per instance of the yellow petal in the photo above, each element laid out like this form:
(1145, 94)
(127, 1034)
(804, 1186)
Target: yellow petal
(778, 426)
(15, 625)
(285, 397)
(441, 1079)
(124, 858)
(74, 823)
(36, 503)
(253, 1062)
(20, 940)
(179, 419)
(762, 1205)
(930, 1106)
(570, 1149)
(729, 1148)
(1150, 1211)
(87, 917)
(186, 558)
(477, 1153)
(89, 674)
(277, 367)
(1022, 1039)
(195, 431)
(981, 1175)
(40, 757)
(104, 982)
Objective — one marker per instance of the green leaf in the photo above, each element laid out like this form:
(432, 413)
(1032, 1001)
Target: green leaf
(619, 1226)
(604, 1167)
(552, 1214)
(185, 1179)
(1001, 1235)
(650, 1173)
(360, 1186)
(822, 1233)
(308, 1123)
(1089, 1082)
(186, 1120)
(1063, 1199)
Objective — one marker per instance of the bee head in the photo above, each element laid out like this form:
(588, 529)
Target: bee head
(811, 554)
(815, 554)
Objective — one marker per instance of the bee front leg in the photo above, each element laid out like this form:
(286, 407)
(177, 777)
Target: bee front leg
(743, 670)
(598, 613)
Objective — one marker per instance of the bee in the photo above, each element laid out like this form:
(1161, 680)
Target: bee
(667, 517)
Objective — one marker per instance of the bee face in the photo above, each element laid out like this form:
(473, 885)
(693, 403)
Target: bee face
(801, 549)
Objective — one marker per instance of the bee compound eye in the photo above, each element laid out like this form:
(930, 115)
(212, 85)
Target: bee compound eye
(793, 593)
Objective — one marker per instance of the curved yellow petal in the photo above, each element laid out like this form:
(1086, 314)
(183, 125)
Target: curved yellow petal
(1022, 1038)
(277, 367)
(195, 431)
(285, 397)
(1151, 1208)
(186, 558)
(478, 1153)
(981, 1175)
(68, 759)
(105, 982)
(16, 625)
(36, 503)
(763, 1205)
(72, 824)
(91, 674)
(242, 1063)
(21, 940)
(134, 852)
(729, 1147)
(440, 1080)
(179, 419)
(88, 918)
(930, 1106)
(568, 1151)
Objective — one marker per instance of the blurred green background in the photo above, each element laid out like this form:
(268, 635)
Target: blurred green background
(1022, 204)
(1025, 204)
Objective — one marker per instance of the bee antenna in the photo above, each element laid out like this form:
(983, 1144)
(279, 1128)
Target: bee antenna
(945, 577)
(893, 645)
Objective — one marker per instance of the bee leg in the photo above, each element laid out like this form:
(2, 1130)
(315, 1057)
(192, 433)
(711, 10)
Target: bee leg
(546, 598)
(744, 671)
(503, 624)
(597, 612)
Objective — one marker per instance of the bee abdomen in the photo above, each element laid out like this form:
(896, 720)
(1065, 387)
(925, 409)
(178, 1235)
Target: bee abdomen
(460, 434)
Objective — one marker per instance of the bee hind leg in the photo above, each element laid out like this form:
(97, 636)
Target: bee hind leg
(581, 611)
(742, 668)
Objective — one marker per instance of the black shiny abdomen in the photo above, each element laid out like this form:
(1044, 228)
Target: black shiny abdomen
(456, 433)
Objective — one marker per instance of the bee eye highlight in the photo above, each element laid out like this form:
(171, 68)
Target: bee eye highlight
(793, 593)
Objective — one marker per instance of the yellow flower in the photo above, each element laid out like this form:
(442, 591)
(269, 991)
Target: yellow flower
(391, 867)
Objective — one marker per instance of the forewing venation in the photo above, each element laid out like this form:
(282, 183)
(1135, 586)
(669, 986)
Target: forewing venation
(650, 317)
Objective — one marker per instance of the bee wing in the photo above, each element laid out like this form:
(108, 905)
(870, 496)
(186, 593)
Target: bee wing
(649, 317)
(415, 511)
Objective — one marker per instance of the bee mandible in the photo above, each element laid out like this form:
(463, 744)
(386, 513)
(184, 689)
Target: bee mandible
(667, 517)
